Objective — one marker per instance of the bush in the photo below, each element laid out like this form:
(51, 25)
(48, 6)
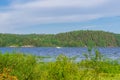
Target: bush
(18, 66)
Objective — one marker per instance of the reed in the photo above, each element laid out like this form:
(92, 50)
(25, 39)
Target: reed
(27, 67)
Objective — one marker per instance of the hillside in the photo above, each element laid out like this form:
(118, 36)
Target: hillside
(117, 36)
(69, 39)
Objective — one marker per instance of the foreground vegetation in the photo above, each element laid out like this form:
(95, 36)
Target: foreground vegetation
(18, 66)
(68, 39)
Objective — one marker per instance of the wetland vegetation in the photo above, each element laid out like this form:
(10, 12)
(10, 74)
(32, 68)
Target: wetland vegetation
(18, 66)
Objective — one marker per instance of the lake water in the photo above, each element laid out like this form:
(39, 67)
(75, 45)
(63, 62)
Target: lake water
(113, 52)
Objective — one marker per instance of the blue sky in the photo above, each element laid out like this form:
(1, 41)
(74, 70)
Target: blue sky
(56, 16)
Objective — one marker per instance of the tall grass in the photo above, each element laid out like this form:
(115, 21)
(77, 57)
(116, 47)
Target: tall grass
(18, 66)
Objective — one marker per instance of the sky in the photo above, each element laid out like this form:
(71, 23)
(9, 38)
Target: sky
(57, 16)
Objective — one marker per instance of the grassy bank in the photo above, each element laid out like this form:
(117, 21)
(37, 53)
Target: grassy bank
(18, 66)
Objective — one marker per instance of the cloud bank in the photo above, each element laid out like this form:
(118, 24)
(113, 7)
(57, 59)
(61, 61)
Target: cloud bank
(24, 13)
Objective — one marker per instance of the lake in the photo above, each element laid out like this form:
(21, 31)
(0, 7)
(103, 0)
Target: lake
(111, 52)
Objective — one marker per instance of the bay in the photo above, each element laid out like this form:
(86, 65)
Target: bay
(110, 52)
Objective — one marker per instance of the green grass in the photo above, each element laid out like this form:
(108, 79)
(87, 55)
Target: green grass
(26, 67)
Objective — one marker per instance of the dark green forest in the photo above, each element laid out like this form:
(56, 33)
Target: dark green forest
(68, 39)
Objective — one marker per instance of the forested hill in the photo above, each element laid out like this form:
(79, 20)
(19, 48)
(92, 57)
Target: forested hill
(68, 39)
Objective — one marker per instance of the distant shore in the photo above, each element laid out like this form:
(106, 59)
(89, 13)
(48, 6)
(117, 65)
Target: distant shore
(23, 46)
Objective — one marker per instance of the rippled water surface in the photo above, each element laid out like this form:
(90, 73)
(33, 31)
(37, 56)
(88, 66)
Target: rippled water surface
(113, 52)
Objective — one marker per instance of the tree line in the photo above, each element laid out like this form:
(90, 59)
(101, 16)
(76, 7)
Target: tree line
(68, 39)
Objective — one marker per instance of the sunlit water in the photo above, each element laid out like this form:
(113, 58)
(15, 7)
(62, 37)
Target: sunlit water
(113, 52)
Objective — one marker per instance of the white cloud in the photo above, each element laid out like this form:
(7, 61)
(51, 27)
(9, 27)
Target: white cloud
(62, 3)
(32, 12)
